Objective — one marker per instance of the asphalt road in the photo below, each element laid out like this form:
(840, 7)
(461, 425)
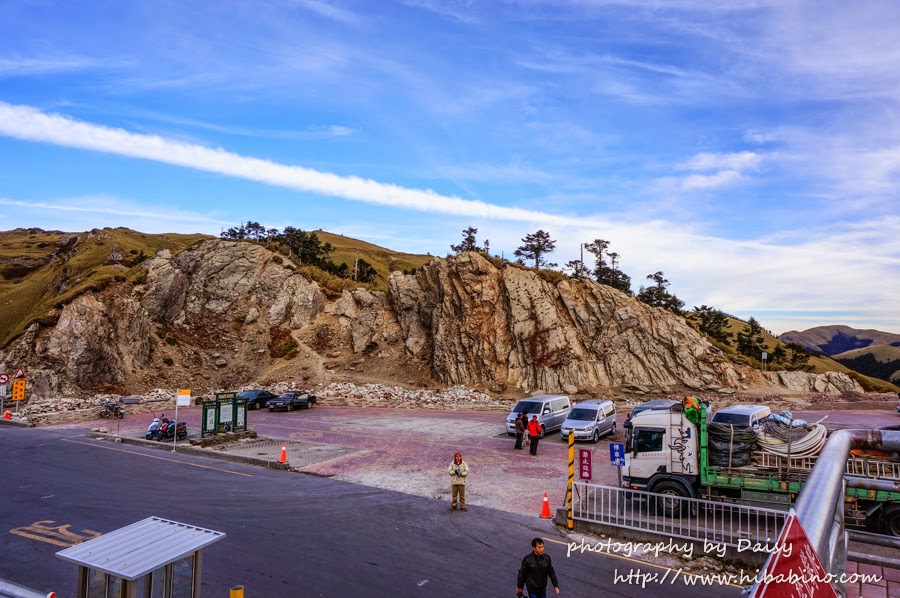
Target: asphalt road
(288, 535)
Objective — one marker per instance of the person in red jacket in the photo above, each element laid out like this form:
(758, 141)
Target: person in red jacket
(534, 433)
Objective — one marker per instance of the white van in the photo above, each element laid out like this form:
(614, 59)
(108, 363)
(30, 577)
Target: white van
(589, 420)
(551, 411)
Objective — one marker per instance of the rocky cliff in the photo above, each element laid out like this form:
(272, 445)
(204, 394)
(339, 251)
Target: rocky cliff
(221, 314)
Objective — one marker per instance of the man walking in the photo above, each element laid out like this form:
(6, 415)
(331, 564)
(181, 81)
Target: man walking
(533, 573)
(458, 471)
(520, 430)
(534, 433)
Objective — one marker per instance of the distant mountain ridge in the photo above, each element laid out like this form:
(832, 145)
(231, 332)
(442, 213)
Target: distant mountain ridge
(871, 352)
(832, 340)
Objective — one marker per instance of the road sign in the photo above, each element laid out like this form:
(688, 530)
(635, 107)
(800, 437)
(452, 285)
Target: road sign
(20, 374)
(794, 569)
(585, 471)
(4, 378)
(617, 455)
(18, 393)
(184, 398)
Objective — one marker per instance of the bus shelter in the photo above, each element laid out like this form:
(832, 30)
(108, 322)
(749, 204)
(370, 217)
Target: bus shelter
(226, 413)
(153, 558)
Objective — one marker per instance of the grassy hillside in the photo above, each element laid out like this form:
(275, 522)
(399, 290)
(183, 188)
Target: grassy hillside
(878, 361)
(40, 270)
(817, 364)
(383, 260)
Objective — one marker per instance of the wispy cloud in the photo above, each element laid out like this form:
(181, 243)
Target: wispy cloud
(24, 122)
(43, 66)
(107, 205)
(332, 12)
(737, 161)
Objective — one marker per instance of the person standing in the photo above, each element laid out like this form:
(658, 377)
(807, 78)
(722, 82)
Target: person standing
(536, 568)
(534, 433)
(458, 471)
(520, 430)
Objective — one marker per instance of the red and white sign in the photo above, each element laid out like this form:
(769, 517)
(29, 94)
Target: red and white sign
(794, 569)
(585, 471)
(20, 374)
(4, 378)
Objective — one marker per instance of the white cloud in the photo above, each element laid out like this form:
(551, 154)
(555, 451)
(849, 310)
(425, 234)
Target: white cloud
(711, 181)
(24, 122)
(736, 161)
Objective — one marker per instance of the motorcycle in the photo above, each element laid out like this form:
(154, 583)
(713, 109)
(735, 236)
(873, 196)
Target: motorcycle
(171, 429)
(109, 408)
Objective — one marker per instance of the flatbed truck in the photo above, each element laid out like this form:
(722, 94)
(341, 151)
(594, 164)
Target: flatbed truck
(668, 454)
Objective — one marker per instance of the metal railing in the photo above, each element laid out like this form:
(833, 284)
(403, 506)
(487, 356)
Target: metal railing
(675, 516)
(857, 465)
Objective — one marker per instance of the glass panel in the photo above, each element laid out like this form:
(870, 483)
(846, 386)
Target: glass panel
(96, 584)
(114, 587)
(158, 583)
(184, 577)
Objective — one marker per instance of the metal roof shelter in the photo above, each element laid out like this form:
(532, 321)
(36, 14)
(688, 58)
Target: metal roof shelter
(147, 558)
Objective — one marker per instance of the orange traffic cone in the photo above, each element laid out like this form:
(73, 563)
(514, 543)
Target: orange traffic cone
(6, 414)
(283, 457)
(545, 512)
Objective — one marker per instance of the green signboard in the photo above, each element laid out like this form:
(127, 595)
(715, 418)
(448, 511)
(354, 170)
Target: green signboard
(227, 413)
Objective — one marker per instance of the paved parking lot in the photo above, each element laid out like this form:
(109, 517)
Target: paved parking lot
(409, 450)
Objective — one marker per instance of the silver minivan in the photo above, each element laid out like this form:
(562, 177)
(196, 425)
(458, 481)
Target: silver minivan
(590, 420)
(551, 411)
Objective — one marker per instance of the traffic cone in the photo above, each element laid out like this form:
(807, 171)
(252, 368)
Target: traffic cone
(283, 457)
(545, 512)
(6, 414)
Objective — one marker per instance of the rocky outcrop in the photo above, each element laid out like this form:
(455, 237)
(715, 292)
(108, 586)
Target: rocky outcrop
(475, 323)
(827, 383)
(220, 313)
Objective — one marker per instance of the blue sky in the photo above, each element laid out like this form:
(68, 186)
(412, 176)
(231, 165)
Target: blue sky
(749, 150)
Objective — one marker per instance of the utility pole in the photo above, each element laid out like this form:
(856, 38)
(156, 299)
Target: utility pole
(581, 265)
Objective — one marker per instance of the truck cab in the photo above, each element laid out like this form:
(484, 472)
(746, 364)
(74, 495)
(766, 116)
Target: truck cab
(661, 452)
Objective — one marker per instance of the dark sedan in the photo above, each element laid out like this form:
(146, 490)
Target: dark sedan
(292, 399)
(257, 398)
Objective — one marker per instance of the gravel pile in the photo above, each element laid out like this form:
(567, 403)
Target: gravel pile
(379, 395)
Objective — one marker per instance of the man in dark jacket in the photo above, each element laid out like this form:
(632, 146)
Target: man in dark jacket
(520, 430)
(533, 573)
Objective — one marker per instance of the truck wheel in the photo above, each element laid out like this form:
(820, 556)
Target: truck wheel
(542, 430)
(890, 520)
(596, 438)
(671, 507)
(612, 431)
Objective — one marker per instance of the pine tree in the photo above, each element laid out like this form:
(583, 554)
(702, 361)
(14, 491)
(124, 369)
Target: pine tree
(534, 247)
(658, 295)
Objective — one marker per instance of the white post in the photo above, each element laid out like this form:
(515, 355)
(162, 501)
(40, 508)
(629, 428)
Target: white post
(175, 431)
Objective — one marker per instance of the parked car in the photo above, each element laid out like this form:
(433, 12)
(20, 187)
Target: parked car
(749, 416)
(290, 400)
(589, 420)
(551, 411)
(257, 398)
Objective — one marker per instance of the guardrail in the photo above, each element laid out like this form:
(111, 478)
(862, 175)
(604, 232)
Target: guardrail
(692, 518)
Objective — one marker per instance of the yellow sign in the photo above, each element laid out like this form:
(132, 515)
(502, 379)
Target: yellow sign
(18, 393)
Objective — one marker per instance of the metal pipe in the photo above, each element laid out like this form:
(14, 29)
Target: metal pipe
(824, 485)
(870, 484)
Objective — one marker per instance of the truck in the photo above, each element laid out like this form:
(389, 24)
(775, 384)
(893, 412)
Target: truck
(669, 454)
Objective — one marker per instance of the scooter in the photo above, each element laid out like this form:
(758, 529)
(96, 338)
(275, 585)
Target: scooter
(153, 429)
(172, 429)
